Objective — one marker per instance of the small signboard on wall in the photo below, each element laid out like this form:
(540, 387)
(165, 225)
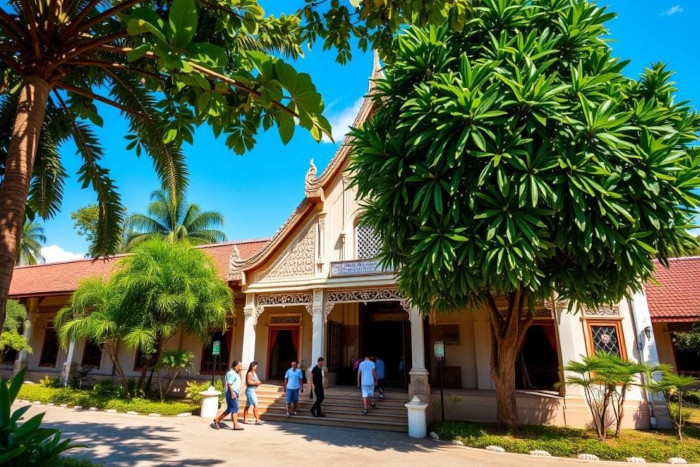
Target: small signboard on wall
(361, 267)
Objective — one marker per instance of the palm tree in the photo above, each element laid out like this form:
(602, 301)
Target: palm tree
(175, 219)
(167, 67)
(91, 315)
(30, 242)
(173, 286)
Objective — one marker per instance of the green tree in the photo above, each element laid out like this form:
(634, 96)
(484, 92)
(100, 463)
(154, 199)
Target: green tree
(174, 287)
(30, 243)
(175, 219)
(168, 67)
(92, 314)
(11, 339)
(674, 386)
(516, 160)
(688, 341)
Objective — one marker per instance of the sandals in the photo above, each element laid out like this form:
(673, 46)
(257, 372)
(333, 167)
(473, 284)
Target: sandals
(216, 424)
(259, 422)
(240, 428)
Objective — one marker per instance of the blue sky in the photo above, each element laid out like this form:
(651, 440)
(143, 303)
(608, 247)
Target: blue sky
(257, 192)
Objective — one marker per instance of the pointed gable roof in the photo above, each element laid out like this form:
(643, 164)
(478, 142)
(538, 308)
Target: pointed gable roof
(313, 188)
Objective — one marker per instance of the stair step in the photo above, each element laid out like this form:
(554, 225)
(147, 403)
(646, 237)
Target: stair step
(366, 422)
(356, 415)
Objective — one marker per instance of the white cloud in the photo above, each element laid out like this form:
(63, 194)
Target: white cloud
(54, 253)
(342, 120)
(674, 10)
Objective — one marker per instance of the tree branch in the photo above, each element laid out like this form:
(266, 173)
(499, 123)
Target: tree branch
(12, 29)
(10, 62)
(30, 17)
(76, 28)
(220, 8)
(119, 66)
(81, 16)
(494, 313)
(91, 44)
(104, 100)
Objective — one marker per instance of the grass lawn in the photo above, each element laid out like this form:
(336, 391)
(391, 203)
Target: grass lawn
(654, 446)
(88, 398)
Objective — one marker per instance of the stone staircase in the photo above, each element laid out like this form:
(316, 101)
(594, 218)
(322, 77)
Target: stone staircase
(342, 407)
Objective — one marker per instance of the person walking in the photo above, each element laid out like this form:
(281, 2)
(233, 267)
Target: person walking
(367, 380)
(251, 398)
(381, 375)
(233, 391)
(293, 383)
(317, 387)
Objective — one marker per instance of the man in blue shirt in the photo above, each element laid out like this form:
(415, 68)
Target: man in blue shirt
(232, 380)
(293, 382)
(379, 366)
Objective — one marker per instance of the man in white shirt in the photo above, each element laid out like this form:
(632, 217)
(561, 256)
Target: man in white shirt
(293, 382)
(233, 392)
(367, 380)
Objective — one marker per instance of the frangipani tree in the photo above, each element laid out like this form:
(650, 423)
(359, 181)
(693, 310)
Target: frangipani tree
(168, 66)
(514, 159)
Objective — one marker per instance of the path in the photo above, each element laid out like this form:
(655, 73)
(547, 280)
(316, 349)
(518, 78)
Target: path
(130, 440)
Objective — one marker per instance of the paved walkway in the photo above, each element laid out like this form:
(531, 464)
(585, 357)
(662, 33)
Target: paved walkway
(130, 440)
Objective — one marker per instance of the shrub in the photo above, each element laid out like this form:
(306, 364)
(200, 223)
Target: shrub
(49, 382)
(27, 443)
(194, 388)
(106, 387)
(670, 385)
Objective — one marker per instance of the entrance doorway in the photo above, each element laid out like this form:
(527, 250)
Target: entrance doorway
(385, 331)
(538, 363)
(283, 349)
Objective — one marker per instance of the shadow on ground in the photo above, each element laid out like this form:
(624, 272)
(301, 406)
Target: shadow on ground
(127, 446)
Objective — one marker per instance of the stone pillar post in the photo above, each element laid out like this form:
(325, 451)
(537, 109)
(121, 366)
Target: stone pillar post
(318, 344)
(419, 385)
(23, 359)
(251, 318)
(70, 365)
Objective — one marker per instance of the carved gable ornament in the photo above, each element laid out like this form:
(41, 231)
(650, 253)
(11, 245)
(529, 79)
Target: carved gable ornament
(299, 262)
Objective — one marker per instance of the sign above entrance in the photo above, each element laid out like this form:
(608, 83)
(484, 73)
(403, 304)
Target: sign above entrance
(361, 267)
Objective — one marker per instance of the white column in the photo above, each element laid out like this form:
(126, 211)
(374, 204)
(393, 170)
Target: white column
(70, 365)
(250, 320)
(418, 374)
(318, 343)
(23, 358)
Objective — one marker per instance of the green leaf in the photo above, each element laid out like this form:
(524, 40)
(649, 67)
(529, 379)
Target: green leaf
(182, 21)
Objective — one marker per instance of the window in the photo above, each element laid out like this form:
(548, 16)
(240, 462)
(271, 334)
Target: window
(49, 351)
(687, 363)
(9, 357)
(140, 360)
(222, 360)
(92, 355)
(368, 243)
(606, 336)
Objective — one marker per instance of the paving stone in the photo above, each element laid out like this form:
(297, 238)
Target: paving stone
(185, 414)
(111, 410)
(37, 402)
(677, 460)
(540, 453)
(588, 457)
(51, 404)
(131, 412)
(457, 442)
(154, 415)
(434, 435)
(636, 460)
(495, 449)
(64, 405)
(78, 407)
(94, 409)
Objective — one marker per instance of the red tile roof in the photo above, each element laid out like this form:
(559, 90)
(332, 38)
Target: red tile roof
(63, 277)
(676, 297)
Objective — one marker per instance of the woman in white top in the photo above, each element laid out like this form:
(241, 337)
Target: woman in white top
(252, 382)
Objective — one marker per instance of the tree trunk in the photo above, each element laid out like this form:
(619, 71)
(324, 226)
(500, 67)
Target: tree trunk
(29, 118)
(111, 351)
(507, 334)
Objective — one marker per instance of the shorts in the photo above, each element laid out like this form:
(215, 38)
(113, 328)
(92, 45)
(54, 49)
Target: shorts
(368, 390)
(251, 398)
(231, 403)
(292, 396)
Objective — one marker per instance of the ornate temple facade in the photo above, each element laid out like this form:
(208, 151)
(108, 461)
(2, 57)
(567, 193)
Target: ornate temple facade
(314, 289)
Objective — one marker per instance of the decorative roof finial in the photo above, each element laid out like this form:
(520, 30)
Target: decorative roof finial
(311, 185)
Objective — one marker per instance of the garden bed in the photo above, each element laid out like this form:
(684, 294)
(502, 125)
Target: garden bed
(88, 398)
(653, 446)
